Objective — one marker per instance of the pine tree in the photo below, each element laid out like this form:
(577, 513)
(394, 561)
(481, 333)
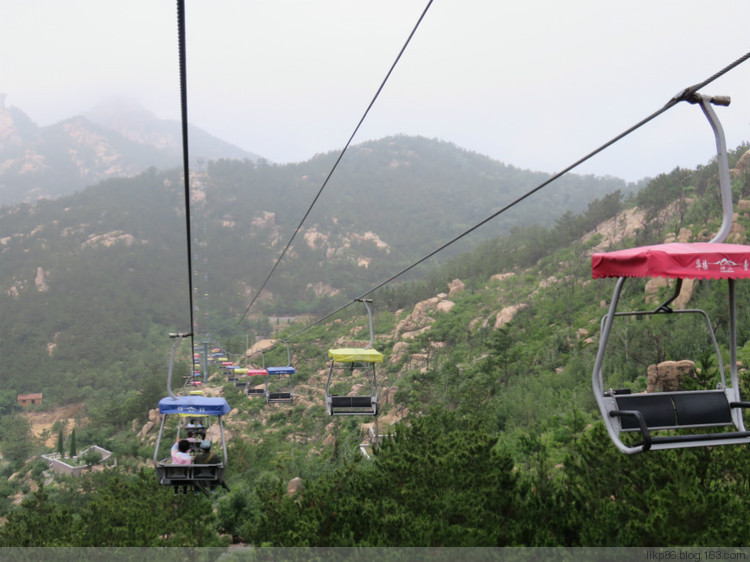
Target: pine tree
(73, 443)
(60, 444)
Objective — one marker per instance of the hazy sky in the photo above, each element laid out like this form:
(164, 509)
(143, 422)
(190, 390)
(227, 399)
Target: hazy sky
(532, 83)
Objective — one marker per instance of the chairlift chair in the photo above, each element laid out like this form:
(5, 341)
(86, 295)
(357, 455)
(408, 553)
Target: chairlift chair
(679, 418)
(351, 363)
(232, 373)
(252, 388)
(280, 382)
(354, 362)
(282, 377)
(200, 477)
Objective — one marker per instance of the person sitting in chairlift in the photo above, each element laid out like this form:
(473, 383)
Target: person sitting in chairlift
(180, 452)
(206, 456)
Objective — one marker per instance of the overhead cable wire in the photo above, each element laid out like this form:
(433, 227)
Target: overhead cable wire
(335, 164)
(185, 156)
(683, 95)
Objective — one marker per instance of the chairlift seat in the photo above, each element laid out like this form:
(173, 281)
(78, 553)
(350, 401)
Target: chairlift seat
(681, 409)
(200, 476)
(273, 397)
(678, 410)
(352, 405)
(351, 401)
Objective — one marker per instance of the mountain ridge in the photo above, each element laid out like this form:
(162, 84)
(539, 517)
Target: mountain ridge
(118, 138)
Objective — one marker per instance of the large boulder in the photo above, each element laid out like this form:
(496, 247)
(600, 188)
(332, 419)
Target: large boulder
(455, 286)
(294, 486)
(507, 314)
(668, 375)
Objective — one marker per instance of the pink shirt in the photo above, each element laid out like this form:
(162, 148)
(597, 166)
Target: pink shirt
(179, 457)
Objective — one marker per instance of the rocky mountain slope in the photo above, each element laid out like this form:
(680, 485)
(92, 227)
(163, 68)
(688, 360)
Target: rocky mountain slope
(115, 140)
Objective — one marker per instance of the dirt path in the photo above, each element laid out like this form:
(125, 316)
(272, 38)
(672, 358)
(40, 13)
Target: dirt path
(43, 421)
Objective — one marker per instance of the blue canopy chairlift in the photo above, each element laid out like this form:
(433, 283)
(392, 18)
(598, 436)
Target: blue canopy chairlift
(355, 365)
(280, 382)
(202, 477)
(683, 417)
(283, 377)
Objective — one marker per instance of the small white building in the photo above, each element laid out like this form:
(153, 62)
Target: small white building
(57, 464)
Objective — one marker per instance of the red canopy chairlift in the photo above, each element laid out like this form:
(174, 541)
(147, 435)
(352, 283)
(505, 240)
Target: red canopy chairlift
(681, 418)
(253, 388)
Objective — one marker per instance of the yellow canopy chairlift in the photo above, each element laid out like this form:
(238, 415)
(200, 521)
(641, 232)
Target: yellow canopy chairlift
(355, 368)
(233, 373)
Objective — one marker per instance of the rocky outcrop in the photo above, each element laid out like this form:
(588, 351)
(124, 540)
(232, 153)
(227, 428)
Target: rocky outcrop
(616, 229)
(653, 286)
(507, 314)
(10, 136)
(154, 419)
(41, 280)
(422, 317)
(260, 346)
(742, 166)
(668, 375)
(456, 286)
(293, 486)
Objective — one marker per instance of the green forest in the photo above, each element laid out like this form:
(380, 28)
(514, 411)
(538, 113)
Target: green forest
(496, 439)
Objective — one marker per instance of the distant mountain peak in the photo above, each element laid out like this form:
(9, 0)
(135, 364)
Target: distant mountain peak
(117, 138)
(128, 117)
(134, 122)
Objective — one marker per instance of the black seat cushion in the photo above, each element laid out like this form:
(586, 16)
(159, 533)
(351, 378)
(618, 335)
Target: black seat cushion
(657, 410)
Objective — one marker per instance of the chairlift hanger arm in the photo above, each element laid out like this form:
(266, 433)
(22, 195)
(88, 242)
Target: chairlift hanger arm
(664, 307)
(367, 302)
(721, 158)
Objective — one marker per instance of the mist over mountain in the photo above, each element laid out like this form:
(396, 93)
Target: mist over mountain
(116, 139)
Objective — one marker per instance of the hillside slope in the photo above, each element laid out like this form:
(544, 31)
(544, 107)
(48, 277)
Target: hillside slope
(500, 442)
(101, 275)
